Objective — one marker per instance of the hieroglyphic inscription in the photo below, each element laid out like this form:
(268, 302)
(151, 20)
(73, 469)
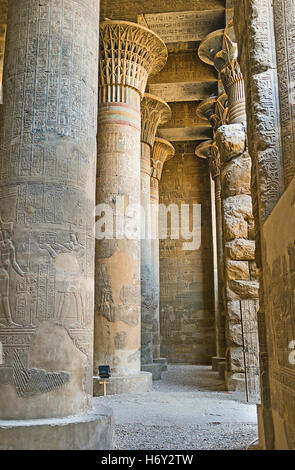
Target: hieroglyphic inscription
(284, 20)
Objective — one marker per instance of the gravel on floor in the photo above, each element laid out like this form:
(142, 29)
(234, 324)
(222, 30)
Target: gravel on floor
(187, 410)
(207, 437)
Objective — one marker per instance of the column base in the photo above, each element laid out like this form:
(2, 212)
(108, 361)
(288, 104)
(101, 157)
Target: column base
(215, 361)
(155, 369)
(91, 431)
(163, 361)
(118, 385)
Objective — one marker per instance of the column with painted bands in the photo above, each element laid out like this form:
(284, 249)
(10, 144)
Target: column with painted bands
(128, 54)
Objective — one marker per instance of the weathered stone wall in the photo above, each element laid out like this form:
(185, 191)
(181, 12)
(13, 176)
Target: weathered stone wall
(186, 277)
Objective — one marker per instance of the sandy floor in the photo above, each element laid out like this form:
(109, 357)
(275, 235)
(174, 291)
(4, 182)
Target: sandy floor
(186, 410)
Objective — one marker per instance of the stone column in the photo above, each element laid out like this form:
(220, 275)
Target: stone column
(219, 49)
(205, 151)
(163, 151)
(47, 188)
(240, 274)
(128, 54)
(284, 17)
(215, 111)
(154, 112)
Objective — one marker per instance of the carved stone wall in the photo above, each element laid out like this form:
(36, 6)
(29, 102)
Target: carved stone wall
(240, 273)
(153, 112)
(186, 277)
(47, 179)
(163, 152)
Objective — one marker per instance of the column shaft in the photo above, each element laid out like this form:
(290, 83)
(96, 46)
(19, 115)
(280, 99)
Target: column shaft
(155, 267)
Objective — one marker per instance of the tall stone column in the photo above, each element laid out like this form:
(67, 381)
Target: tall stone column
(154, 112)
(284, 17)
(240, 273)
(207, 150)
(47, 188)
(128, 54)
(215, 111)
(163, 151)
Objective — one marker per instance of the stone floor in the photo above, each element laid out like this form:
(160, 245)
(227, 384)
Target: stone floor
(187, 409)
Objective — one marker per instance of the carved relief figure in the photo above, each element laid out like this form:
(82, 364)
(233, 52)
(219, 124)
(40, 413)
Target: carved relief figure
(71, 305)
(7, 261)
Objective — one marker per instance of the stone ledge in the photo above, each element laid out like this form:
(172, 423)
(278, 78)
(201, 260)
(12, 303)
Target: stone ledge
(91, 431)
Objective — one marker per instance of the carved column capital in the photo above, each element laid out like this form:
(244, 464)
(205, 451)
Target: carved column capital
(154, 111)
(163, 151)
(129, 53)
